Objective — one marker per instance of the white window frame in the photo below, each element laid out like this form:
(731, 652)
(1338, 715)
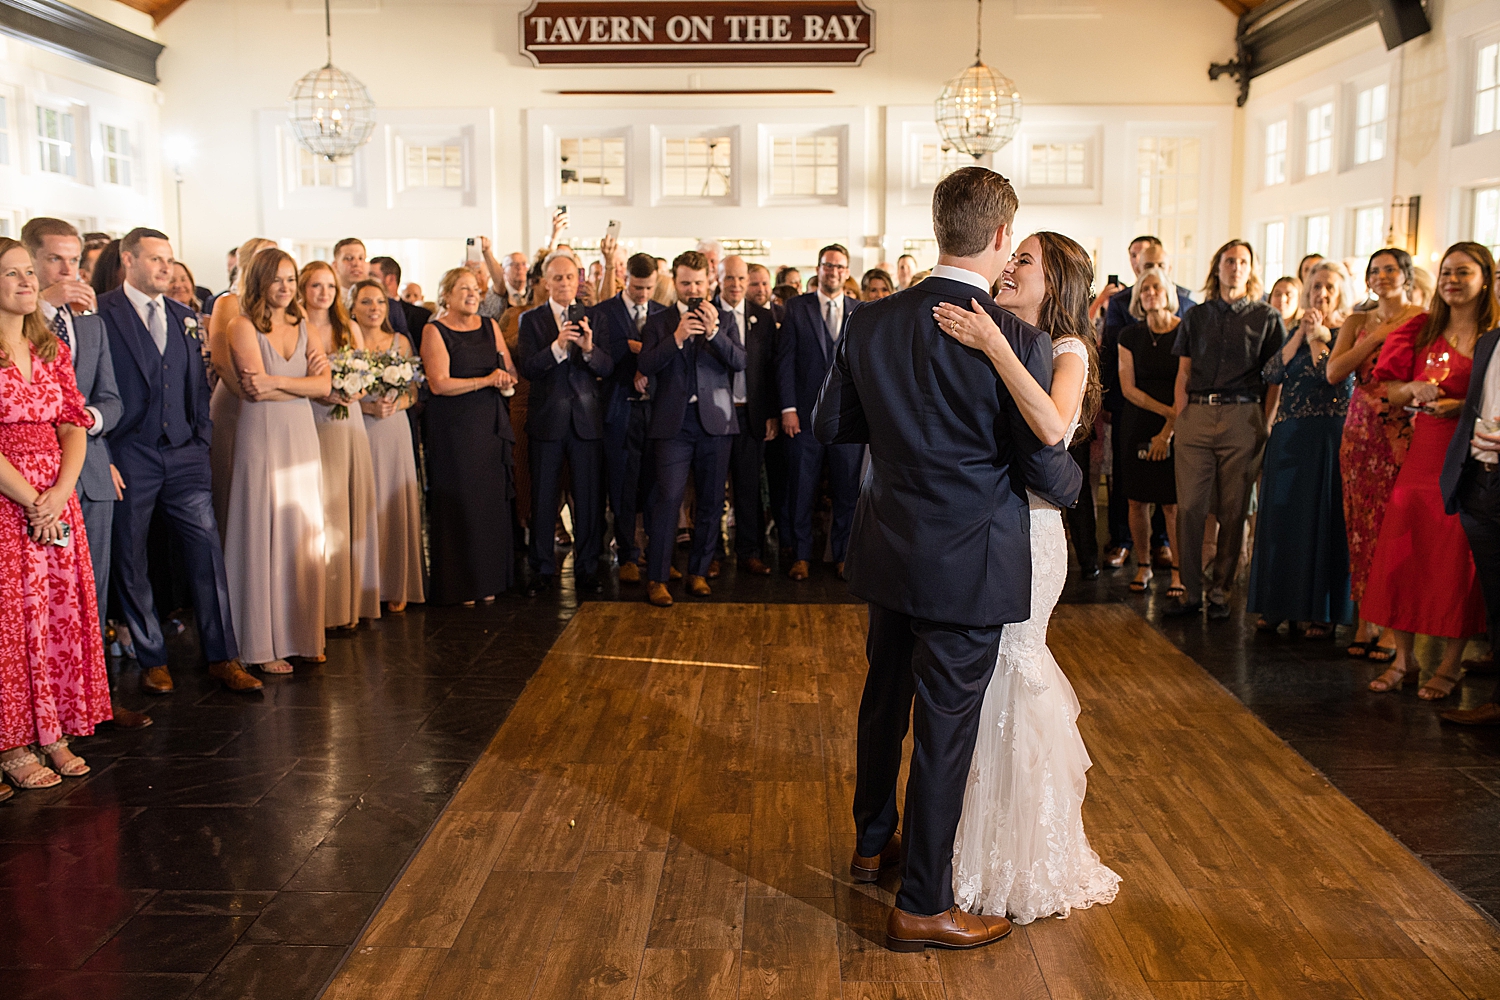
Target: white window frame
(1483, 87)
(1273, 235)
(7, 127)
(78, 124)
(1370, 132)
(622, 136)
(127, 158)
(1311, 223)
(661, 134)
(301, 156)
(770, 134)
(1484, 219)
(1067, 145)
(1274, 135)
(405, 145)
(1358, 244)
(1317, 137)
(1184, 260)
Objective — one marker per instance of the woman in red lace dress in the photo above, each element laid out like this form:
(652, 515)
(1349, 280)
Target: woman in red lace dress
(1422, 577)
(52, 679)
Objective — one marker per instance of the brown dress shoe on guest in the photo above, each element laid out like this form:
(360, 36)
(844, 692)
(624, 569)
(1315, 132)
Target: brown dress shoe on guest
(234, 676)
(1115, 558)
(156, 680)
(698, 587)
(127, 719)
(630, 572)
(657, 594)
(838, 568)
(755, 567)
(714, 569)
(1487, 714)
(673, 573)
(799, 570)
(863, 869)
(951, 929)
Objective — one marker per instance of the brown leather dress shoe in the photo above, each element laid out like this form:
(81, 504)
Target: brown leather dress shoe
(1487, 714)
(630, 572)
(156, 680)
(839, 569)
(234, 676)
(863, 869)
(952, 929)
(1115, 558)
(714, 569)
(127, 719)
(698, 587)
(657, 594)
(673, 573)
(755, 567)
(799, 570)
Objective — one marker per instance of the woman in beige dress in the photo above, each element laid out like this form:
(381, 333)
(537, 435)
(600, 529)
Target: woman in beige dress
(351, 542)
(273, 549)
(398, 495)
(224, 404)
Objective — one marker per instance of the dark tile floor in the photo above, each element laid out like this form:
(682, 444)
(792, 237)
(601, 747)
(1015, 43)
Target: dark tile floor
(236, 848)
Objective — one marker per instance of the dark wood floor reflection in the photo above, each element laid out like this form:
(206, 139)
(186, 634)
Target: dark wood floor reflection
(665, 814)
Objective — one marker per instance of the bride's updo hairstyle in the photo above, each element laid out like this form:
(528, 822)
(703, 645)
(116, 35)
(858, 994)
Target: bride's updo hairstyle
(1069, 273)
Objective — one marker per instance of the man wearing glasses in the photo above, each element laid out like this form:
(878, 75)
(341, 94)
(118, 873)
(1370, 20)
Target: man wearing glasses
(804, 352)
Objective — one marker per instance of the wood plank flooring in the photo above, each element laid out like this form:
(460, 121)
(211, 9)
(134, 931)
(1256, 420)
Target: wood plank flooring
(665, 813)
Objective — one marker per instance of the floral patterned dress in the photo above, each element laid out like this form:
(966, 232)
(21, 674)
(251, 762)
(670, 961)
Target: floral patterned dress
(1376, 436)
(52, 676)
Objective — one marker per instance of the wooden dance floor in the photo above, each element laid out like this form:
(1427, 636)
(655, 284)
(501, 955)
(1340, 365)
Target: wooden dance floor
(665, 814)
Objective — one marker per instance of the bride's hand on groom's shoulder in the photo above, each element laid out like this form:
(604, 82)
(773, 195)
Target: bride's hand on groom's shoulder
(971, 328)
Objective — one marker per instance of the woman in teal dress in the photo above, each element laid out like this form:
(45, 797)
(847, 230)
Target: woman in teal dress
(1300, 569)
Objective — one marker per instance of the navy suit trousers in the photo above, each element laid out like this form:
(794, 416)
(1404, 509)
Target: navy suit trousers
(582, 458)
(807, 455)
(177, 480)
(745, 457)
(626, 470)
(706, 456)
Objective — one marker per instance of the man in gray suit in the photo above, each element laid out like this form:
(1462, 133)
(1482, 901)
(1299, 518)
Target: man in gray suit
(68, 306)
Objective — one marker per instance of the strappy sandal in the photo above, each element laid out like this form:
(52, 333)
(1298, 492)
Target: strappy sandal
(274, 667)
(1358, 650)
(1141, 585)
(1381, 654)
(1392, 680)
(1438, 687)
(27, 772)
(73, 767)
(1177, 589)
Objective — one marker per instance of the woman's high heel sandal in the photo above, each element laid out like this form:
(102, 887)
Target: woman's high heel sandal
(27, 772)
(64, 761)
(1393, 679)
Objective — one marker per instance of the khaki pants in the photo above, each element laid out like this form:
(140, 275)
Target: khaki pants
(1217, 459)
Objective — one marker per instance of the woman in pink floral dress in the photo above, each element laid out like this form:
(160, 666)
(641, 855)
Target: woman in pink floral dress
(52, 679)
(1376, 433)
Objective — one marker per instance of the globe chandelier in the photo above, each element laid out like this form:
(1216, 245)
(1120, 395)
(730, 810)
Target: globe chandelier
(979, 110)
(330, 111)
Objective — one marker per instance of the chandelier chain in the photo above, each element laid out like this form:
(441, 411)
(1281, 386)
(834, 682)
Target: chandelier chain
(978, 31)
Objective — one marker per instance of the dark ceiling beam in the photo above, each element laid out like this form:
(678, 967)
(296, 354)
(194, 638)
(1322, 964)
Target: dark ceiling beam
(69, 31)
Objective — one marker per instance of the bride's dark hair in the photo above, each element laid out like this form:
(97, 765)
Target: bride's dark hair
(1069, 274)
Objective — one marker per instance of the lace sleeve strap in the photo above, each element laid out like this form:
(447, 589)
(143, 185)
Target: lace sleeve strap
(1072, 345)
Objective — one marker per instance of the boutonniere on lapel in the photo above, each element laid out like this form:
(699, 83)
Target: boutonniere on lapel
(753, 319)
(190, 325)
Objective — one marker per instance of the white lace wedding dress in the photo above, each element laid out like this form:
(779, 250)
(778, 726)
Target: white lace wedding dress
(1021, 849)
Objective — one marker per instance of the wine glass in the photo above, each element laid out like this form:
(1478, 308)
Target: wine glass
(1437, 368)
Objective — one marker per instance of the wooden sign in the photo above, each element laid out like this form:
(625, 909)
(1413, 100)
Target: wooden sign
(668, 32)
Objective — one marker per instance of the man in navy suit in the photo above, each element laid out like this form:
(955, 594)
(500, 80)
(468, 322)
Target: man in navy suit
(805, 346)
(564, 424)
(1471, 489)
(67, 301)
(693, 352)
(160, 447)
(627, 406)
(941, 546)
(757, 414)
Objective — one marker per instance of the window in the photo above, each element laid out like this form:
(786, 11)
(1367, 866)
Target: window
(936, 161)
(116, 155)
(54, 137)
(805, 165)
(1369, 124)
(435, 166)
(1167, 176)
(1273, 251)
(1487, 90)
(1319, 139)
(1276, 152)
(696, 167)
(314, 171)
(1487, 218)
(1315, 234)
(4, 130)
(1369, 230)
(1057, 164)
(591, 168)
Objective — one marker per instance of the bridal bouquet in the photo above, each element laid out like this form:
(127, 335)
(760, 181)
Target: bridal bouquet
(353, 376)
(395, 374)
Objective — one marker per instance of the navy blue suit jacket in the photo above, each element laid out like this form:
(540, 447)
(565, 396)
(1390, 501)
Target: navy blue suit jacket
(804, 352)
(96, 380)
(137, 366)
(561, 393)
(942, 531)
(1451, 479)
(717, 361)
(616, 330)
(762, 388)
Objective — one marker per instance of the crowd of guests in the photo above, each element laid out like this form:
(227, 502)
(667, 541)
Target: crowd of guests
(164, 447)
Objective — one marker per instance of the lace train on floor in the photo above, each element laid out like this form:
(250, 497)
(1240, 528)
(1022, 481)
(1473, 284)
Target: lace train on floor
(1021, 849)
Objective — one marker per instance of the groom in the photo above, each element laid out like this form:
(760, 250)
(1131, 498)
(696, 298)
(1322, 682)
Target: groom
(941, 546)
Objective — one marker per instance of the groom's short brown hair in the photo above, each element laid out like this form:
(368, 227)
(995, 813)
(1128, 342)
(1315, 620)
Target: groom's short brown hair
(968, 207)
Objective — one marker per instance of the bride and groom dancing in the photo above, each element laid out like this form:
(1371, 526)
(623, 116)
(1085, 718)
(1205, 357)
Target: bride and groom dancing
(958, 547)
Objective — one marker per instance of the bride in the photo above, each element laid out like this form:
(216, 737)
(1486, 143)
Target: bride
(1021, 850)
